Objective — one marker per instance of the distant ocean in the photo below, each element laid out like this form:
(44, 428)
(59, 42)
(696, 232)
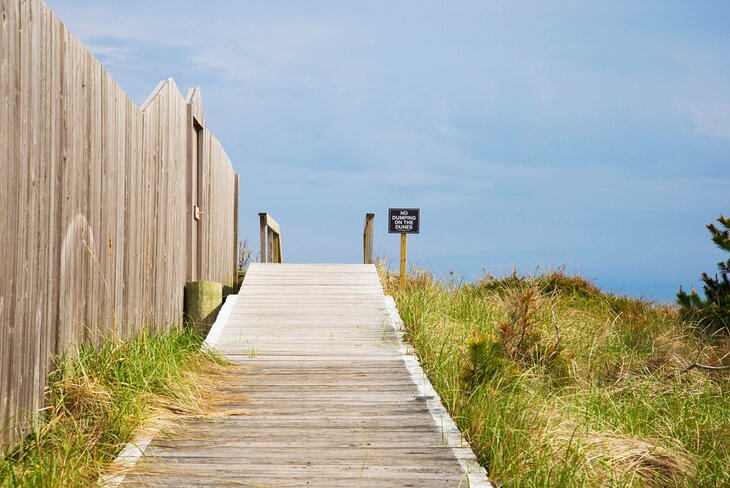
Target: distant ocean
(655, 289)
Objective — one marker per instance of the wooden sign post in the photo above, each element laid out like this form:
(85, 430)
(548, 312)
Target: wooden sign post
(403, 254)
(404, 221)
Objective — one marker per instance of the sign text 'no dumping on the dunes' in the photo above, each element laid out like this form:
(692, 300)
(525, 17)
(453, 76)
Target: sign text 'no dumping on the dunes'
(404, 221)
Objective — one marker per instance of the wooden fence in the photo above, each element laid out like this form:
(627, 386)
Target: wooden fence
(97, 196)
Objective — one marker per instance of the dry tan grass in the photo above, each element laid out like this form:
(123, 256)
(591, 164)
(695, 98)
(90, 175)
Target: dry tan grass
(613, 455)
(204, 399)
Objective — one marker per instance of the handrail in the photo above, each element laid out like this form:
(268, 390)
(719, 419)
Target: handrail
(367, 238)
(270, 239)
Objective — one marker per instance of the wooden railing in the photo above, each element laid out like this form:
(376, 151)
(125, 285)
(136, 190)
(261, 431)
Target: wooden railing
(270, 239)
(367, 239)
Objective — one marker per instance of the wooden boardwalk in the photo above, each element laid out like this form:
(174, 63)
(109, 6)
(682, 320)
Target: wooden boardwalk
(329, 400)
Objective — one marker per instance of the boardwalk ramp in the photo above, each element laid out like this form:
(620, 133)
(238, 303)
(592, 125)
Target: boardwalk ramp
(332, 400)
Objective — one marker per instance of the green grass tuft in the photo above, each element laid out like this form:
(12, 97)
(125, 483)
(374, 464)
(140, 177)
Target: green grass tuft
(97, 401)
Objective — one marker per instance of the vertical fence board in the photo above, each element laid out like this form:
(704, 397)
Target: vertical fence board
(8, 63)
(11, 87)
(42, 157)
(24, 210)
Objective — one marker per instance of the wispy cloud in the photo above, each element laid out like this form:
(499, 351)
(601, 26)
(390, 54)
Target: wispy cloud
(712, 120)
(595, 135)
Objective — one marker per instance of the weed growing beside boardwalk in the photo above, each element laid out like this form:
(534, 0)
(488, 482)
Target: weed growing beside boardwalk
(556, 383)
(97, 401)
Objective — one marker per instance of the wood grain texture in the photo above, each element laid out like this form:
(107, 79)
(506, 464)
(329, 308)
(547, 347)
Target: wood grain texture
(270, 239)
(367, 238)
(94, 193)
(403, 258)
(324, 396)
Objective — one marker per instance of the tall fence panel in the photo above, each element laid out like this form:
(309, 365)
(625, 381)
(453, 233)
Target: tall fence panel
(98, 231)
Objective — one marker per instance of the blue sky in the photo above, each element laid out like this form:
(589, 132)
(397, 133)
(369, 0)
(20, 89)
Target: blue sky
(531, 134)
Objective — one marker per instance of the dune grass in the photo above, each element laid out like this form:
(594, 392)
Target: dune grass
(555, 383)
(97, 401)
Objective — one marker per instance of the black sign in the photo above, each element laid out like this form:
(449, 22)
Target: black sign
(404, 220)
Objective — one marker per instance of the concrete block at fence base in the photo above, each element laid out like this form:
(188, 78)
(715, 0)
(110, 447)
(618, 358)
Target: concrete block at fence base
(203, 299)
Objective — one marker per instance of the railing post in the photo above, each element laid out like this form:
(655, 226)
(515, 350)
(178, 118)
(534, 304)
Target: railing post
(262, 221)
(270, 239)
(367, 238)
(277, 249)
(235, 231)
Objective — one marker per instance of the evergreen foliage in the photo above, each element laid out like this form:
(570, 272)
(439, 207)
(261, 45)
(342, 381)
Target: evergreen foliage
(712, 312)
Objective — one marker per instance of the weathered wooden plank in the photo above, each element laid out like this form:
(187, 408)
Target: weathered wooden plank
(10, 84)
(120, 124)
(44, 233)
(324, 398)
(25, 207)
(7, 120)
